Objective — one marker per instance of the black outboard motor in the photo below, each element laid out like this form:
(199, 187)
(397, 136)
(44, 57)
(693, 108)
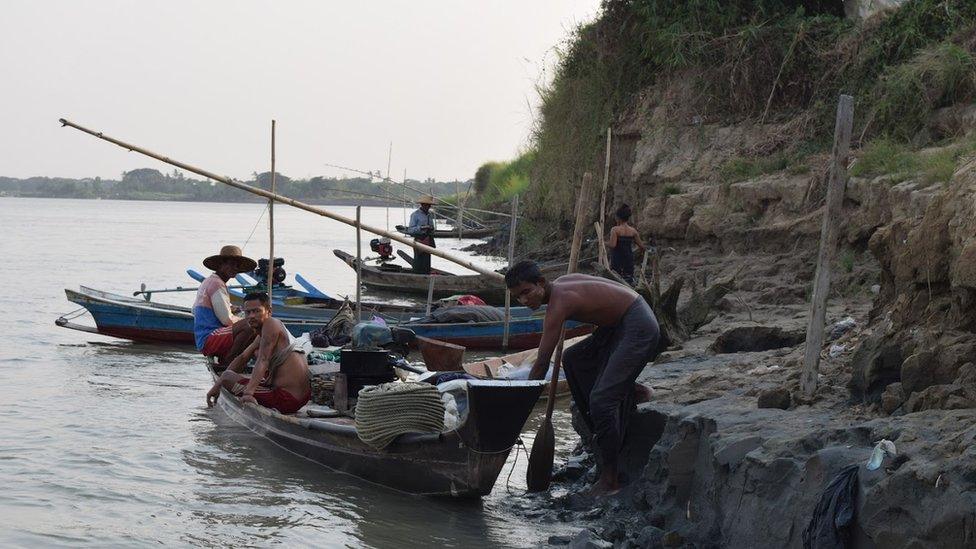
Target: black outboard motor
(383, 247)
(261, 273)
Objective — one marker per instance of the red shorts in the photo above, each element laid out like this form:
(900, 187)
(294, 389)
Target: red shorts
(277, 398)
(219, 342)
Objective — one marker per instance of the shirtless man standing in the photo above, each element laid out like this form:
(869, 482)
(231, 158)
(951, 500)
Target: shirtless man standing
(280, 377)
(601, 369)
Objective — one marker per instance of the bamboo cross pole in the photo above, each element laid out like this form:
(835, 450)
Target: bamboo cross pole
(511, 258)
(292, 202)
(828, 244)
(271, 255)
(359, 265)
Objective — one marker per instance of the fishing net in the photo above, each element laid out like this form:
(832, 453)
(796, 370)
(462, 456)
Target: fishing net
(387, 411)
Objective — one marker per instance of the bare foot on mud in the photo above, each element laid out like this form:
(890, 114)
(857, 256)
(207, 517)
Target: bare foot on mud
(643, 393)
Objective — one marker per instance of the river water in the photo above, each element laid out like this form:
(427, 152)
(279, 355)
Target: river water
(110, 443)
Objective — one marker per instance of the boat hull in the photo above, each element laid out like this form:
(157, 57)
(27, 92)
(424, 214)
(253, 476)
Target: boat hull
(461, 463)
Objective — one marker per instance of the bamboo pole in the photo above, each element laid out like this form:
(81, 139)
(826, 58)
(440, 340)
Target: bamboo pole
(403, 189)
(359, 265)
(828, 244)
(271, 254)
(460, 210)
(511, 258)
(603, 200)
(389, 160)
(291, 202)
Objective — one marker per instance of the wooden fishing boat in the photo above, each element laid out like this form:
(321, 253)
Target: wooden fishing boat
(492, 368)
(146, 321)
(464, 462)
(396, 279)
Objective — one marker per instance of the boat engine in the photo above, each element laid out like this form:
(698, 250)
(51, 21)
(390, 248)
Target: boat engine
(383, 247)
(261, 273)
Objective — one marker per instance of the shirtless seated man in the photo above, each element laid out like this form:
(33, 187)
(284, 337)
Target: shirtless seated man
(280, 377)
(601, 369)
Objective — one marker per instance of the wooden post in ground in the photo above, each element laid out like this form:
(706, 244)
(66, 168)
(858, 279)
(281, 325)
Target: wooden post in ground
(603, 201)
(511, 257)
(359, 265)
(430, 292)
(538, 475)
(828, 244)
(271, 255)
(601, 245)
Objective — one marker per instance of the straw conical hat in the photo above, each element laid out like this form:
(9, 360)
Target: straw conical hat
(425, 199)
(244, 264)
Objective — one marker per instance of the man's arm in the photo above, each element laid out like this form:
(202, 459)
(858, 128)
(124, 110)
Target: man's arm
(612, 241)
(552, 328)
(237, 365)
(220, 303)
(640, 243)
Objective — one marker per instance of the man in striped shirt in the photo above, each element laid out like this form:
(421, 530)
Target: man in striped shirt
(217, 330)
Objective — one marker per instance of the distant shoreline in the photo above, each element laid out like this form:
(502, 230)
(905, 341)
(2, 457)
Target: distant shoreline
(318, 202)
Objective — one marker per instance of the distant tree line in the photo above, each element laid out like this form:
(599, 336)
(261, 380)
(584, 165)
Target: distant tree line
(150, 184)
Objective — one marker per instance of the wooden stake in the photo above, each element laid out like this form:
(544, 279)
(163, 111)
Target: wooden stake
(359, 266)
(403, 192)
(602, 245)
(539, 472)
(603, 200)
(828, 244)
(511, 258)
(430, 292)
(291, 202)
(271, 216)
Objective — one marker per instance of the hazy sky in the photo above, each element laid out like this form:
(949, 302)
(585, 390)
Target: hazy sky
(450, 83)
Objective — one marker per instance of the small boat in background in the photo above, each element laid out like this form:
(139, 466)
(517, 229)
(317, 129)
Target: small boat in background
(147, 321)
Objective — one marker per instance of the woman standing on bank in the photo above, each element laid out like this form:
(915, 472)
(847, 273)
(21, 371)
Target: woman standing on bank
(622, 239)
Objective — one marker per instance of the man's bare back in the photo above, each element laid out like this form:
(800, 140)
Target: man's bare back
(590, 299)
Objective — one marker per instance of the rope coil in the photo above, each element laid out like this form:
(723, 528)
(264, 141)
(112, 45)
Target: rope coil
(387, 411)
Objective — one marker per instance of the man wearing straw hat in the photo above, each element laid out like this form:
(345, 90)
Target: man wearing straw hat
(217, 330)
(421, 228)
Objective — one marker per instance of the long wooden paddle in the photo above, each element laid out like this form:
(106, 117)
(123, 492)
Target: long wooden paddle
(539, 473)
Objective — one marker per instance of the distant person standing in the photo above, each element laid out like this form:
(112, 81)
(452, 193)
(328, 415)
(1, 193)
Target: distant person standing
(622, 239)
(421, 228)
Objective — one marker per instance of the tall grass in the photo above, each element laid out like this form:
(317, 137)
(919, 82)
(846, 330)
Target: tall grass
(769, 60)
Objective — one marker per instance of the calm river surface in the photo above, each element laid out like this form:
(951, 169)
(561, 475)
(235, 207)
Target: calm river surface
(110, 443)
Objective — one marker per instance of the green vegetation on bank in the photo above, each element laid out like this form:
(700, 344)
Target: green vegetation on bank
(899, 162)
(746, 61)
(150, 184)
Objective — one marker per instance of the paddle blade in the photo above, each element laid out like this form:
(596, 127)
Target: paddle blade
(539, 473)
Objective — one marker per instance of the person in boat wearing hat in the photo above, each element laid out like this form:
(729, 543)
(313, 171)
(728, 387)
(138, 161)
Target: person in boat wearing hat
(602, 369)
(217, 330)
(280, 378)
(421, 228)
